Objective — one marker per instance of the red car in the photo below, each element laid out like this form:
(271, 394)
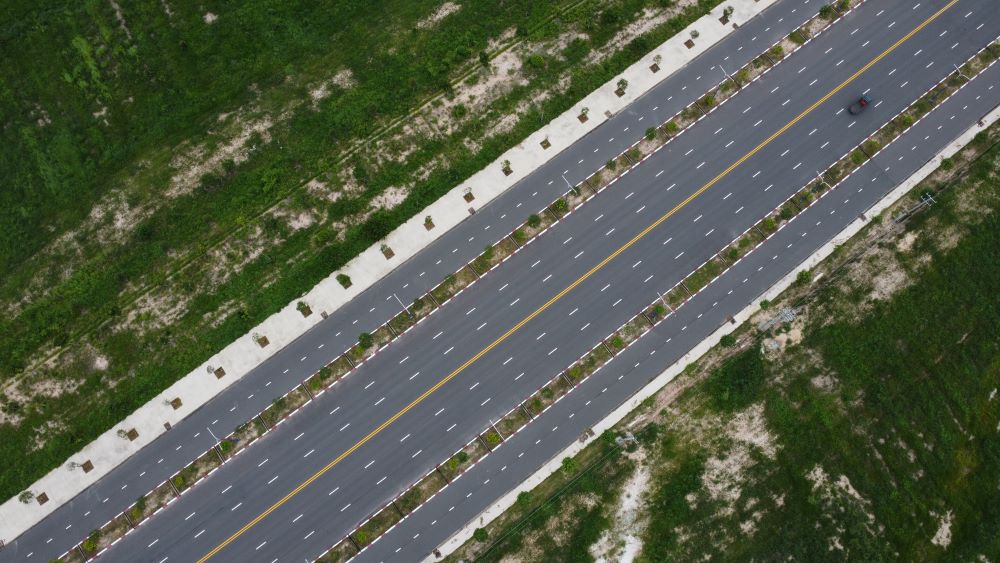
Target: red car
(860, 105)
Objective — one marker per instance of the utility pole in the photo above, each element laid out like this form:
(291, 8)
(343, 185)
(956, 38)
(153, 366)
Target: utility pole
(822, 181)
(401, 305)
(664, 301)
(730, 76)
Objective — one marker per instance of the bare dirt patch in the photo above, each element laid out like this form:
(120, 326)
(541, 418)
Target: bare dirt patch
(443, 11)
(623, 541)
(389, 198)
(942, 537)
(343, 79)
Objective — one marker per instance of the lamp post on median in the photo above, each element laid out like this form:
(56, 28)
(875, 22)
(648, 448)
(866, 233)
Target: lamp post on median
(821, 180)
(730, 76)
(401, 305)
(664, 301)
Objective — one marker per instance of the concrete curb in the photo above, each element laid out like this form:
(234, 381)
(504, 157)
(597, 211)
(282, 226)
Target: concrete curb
(198, 387)
(665, 377)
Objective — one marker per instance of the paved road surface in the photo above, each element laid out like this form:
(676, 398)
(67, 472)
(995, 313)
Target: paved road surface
(527, 450)
(426, 434)
(275, 377)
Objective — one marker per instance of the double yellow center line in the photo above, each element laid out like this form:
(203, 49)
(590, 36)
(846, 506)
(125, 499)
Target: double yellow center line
(567, 289)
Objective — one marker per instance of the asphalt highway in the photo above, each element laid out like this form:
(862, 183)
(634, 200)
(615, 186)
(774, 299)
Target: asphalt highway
(563, 323)
(416, 536)
(69, 524)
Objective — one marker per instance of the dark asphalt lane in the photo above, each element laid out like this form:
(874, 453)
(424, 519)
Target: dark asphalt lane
(275, 377)
(526, 451)
(383, 462)
(385, 465)
(365, 406)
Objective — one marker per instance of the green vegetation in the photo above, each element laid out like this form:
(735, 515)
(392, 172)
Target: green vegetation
(908, 421)
(872, 435)
(562, 516)
(102, 109)
(366, 340)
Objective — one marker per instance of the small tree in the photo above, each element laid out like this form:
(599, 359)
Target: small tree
(650, 133)
(523, 500)
(584, 110)
(803, 277)
(569, 465)
(728, 340)
(708, 100)
(26, 496)
(344, 280)
(534, 221)
(728, 11)
(947, 164)
(694, 34)
(622, 84)
(671, 127)
(484, 59)
(827, 12)
(366, 340)
(480, 534)
(560, 206)
(90, 544)
(611, 164)
(765, 304)
(657, 59)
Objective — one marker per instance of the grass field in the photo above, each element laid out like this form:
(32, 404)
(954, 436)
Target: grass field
(177, 172)
(867, 429)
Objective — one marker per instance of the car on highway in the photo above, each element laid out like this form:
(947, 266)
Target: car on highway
(860, 105)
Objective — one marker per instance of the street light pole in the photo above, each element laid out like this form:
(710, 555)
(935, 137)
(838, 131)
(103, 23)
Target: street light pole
(729, 76)
(401, 305)
(664, 301)
(821, 180)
